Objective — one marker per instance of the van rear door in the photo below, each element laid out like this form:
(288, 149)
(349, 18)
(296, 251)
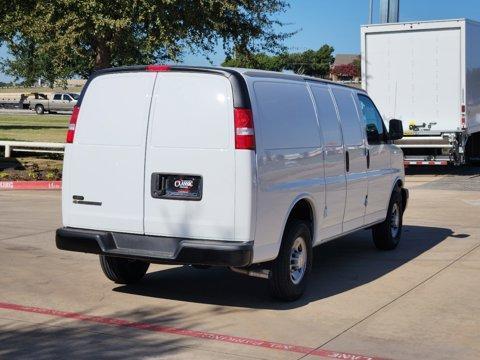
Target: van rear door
(105, 166)
(190, 157)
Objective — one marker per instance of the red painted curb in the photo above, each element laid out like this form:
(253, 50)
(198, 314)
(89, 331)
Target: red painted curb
(186, 332)
(30, 185)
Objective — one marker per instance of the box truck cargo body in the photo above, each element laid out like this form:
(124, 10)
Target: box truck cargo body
(427, 74)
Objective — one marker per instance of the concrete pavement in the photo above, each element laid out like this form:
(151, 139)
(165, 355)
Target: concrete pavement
(420, 301)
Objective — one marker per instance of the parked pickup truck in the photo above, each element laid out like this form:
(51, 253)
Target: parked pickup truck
(55, 102)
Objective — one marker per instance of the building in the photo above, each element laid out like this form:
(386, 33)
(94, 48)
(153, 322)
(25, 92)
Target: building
(346, 67)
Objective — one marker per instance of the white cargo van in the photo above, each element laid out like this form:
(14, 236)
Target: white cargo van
(216, 166)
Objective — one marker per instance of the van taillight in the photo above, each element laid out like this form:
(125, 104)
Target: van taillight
(72, 125)
(244, 132)
(157, 68)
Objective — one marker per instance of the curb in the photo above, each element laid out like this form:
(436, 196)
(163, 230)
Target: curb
(30, 185)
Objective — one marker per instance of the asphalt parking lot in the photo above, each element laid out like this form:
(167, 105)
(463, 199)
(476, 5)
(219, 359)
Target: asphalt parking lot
(420, 301)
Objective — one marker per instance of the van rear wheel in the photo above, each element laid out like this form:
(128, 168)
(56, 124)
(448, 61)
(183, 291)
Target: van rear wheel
(290, 270)
(123, 271)
(386, 235)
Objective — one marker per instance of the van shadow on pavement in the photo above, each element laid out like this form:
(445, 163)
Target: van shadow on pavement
(339, 266)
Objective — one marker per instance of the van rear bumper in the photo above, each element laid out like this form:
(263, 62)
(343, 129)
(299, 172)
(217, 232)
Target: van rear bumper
(156, 249)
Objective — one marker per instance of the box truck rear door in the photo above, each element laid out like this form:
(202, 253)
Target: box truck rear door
(415, 76)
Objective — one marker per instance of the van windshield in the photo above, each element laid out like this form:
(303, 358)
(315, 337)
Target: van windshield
(74, 96)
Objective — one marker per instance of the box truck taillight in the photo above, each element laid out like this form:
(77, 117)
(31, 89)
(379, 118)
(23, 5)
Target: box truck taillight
(244, 132)
(72, 125)
(462, 117)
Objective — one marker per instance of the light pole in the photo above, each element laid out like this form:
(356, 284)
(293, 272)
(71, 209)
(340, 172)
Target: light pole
(370, 12)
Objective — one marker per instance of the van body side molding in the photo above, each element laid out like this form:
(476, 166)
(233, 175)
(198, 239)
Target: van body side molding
(156, 249)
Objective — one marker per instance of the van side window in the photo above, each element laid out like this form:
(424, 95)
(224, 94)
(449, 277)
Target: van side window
(66, 97)
(57, 97)
(372, 119)
(289, 120)
(327, 116)
(352, 132)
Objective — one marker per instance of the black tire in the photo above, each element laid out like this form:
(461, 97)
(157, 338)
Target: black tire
(39, 109)
(282, 283)
(123, 271)
(387, 234)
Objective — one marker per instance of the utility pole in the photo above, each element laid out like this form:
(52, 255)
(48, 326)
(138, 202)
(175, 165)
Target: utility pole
(389, 11)
(370, 12)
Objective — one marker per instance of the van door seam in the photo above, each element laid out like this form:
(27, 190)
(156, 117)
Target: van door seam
(146, 149)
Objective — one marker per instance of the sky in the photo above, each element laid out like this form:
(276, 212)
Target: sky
(337, 23)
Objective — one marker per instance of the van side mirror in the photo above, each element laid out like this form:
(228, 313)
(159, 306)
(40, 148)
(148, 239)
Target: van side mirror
(373, 136)
(395, 130)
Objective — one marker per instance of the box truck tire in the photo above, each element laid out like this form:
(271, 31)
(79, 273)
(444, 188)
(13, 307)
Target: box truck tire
(386, 235)
(290, 270)
(123, 271)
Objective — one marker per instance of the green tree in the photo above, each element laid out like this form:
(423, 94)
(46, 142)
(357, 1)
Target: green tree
(75, 37)
(256, 61)
(311, 62)
(23, 64)
(29, 62)
(358, 67)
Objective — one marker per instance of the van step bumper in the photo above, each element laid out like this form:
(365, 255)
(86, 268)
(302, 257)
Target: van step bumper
(156, 249)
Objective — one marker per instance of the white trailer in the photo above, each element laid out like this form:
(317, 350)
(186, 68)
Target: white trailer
(427, 74)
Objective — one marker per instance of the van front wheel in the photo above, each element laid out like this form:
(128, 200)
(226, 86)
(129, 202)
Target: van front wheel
(290, 270)
(123, 271)
(386, 235)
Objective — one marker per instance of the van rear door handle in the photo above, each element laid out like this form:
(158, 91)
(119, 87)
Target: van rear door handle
(368, 159)
(347, 161)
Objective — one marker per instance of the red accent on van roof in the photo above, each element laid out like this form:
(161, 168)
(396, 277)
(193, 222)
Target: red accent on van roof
(158, 68)
(72, 125)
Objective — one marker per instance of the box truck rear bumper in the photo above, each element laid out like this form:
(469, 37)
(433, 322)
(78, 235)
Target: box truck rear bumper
(156, 249)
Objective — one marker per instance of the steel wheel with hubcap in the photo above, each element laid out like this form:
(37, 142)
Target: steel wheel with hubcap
(395, 220)
(298, 260)
(386, 235)
(290, 270)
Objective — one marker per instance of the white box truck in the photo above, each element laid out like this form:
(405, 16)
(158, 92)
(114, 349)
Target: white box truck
(427, 74)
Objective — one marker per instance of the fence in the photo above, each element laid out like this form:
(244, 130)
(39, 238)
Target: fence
(32, 147)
